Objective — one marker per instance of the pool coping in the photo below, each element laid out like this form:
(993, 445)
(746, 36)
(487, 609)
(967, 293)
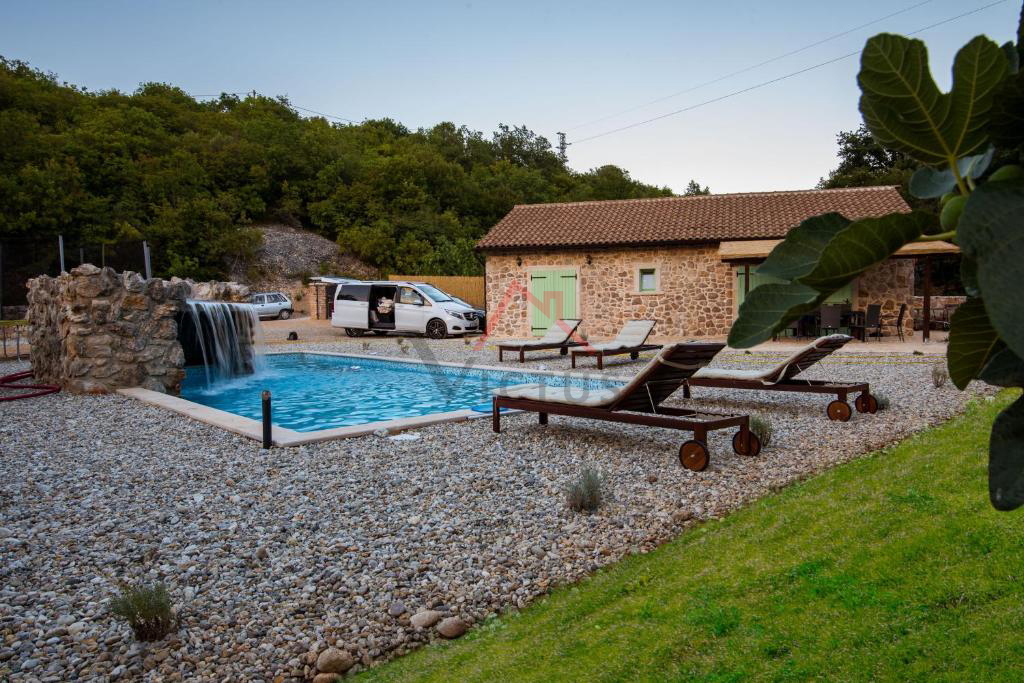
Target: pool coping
(282, 436)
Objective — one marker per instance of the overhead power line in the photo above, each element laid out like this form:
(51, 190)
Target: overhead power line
(751, 67)
(763, 84)
(290, 104)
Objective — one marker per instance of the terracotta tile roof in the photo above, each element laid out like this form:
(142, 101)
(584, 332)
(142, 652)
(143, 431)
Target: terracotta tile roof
(668, 220)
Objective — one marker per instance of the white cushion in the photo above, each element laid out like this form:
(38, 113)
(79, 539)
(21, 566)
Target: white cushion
(610, 346)
(556, 333)
(568, 395)
(633, 333)
(771, 375)
(723, 373)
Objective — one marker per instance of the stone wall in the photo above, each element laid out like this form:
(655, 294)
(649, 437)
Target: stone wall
(888, 284)
(94, 330)
(695, 296)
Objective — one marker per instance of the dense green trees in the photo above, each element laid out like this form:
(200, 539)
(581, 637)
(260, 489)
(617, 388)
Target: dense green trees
(191, 177)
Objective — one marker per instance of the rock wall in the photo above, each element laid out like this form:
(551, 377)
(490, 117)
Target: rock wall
(695, 294)
(889, 284)
(94, 330)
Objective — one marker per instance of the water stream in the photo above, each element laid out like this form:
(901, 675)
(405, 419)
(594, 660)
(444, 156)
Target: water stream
(229, 337)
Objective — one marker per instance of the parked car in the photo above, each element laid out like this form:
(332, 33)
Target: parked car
(382, 307)
(272, 305)
(481, 314)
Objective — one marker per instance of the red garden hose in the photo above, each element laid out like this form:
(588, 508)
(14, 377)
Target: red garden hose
(8, 382)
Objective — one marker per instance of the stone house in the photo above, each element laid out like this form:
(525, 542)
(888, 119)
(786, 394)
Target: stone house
(685, 261)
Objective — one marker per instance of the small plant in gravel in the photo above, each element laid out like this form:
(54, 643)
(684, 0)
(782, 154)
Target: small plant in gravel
(939, 375)
(762, 426)
(366, 346)
(883, 400)
(586, 493)
(146, 608)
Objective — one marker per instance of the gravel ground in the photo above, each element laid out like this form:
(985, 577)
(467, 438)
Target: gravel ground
(273, 556)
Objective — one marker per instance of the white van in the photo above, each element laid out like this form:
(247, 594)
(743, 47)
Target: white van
(383, 307)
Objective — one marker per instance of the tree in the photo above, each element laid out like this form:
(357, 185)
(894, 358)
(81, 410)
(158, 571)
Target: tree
(192, 177)
(694, 189)
(952, 135)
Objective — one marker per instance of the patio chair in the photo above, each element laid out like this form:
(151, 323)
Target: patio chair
(630, 339)
(871, 323)
(831, 318)
(559, 336)
(783, 377)
(639, 402)
(898, 321)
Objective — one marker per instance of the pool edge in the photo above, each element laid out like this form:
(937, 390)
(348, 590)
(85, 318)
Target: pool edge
(284, 437)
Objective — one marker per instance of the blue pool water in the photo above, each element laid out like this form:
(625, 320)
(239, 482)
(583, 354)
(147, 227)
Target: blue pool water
(312, 392)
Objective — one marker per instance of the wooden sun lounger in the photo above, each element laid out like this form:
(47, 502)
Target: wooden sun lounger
(631, 339)
(559, 336)
(639, 402)
(783, 378)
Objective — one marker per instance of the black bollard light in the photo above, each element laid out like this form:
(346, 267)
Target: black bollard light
(267, 426)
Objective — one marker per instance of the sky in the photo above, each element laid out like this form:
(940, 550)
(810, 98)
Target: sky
(584, 68)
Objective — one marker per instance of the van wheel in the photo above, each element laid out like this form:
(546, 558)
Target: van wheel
(284, 315)
(353, 332)
(436, 329)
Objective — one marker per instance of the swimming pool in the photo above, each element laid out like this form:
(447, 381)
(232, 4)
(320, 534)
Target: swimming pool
(312, 392)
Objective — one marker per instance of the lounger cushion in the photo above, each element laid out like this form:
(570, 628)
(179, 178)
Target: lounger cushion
(556, 334)
(723, 373)
(768, 375)
(633, 333)
(577, 396)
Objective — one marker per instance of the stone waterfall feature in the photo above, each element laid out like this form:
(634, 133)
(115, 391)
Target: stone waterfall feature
(223, 337)
(94, 330)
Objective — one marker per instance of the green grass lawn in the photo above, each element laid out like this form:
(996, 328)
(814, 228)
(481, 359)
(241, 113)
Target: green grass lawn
(890, 567)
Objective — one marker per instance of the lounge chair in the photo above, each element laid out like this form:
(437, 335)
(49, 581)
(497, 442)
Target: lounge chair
(783, 378)
(559, 336)
(630, 339)
(639, 402)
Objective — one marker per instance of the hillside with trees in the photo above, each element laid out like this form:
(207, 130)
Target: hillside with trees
(193, 177)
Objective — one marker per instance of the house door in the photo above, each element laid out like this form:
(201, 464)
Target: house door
(552, 296)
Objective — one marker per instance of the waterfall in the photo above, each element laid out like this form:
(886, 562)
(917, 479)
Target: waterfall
(229, 338)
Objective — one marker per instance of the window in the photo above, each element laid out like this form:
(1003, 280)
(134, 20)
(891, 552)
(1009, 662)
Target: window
(259, 299)
(354, 293)
(410, 296)
(435, 293)
(648, 280)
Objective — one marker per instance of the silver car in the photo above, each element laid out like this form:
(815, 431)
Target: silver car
(272, 305)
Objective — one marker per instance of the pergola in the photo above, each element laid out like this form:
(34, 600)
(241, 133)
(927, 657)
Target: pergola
(752, 252)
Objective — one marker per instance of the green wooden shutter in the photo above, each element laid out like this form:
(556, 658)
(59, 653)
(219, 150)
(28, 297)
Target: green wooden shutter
(755, 281)
(554, 297)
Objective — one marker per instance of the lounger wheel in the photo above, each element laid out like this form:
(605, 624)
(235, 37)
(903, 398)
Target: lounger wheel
(749, 446)
(866, 403)
(634, 355)
(693, 455)
(839, 411)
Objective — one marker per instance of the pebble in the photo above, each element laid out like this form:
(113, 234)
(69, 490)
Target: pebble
(334, 661)
(452, 627)
(425, 619)
(275, 557)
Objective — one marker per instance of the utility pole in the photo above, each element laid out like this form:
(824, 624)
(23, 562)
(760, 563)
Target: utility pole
(60, 248)
(562, 146)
